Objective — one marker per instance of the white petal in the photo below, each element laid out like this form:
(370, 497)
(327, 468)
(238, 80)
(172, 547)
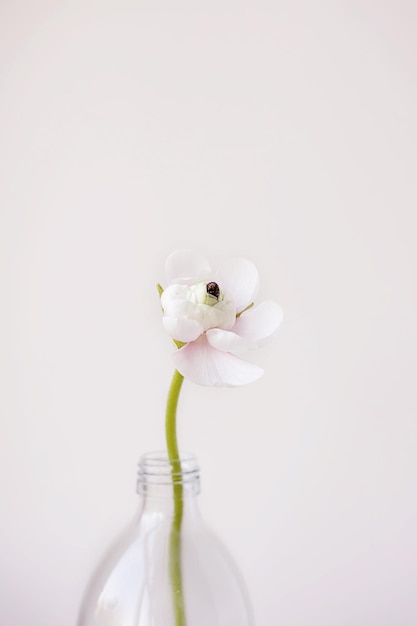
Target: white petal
(186, 267)
(222, 315)
(227, 341)
(175, 302)
(182, 328)
(240, 280)
(260, 322)
(204, 365)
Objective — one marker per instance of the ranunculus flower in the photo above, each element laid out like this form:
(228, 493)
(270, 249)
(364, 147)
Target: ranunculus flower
(212, 314)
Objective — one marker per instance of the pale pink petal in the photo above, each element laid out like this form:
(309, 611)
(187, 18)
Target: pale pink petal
(182, 328)
(204, 365)
(260, 322)
(240, 280)
(228, 341)
(186, 267)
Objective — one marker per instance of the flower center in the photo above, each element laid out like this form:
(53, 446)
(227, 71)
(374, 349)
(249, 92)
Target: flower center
(208, 294)
(204, 302)
(213, 289)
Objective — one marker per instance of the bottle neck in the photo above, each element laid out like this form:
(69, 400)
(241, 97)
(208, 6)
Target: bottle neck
(159, 478)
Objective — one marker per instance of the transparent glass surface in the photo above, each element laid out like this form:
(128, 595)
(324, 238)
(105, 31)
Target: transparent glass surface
(133, 587)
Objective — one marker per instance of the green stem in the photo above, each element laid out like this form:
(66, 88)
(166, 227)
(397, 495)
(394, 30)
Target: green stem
(175, 535)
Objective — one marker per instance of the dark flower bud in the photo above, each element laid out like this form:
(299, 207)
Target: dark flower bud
(213, 289)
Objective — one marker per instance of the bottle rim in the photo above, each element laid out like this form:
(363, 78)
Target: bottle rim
(156, 468)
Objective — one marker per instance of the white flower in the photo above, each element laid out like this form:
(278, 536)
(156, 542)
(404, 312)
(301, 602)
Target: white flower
(211, 313)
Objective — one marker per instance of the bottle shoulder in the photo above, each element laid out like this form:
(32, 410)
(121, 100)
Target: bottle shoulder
(136, 569)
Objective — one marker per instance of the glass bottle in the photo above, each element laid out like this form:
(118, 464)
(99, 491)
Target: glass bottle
(137, 582)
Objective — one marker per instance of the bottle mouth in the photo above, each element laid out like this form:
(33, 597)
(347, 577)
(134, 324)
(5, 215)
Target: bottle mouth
(155, 468)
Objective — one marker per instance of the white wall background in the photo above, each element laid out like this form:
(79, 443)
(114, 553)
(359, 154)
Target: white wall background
(281, 131)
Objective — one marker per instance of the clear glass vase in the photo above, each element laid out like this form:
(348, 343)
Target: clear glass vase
(167, 570)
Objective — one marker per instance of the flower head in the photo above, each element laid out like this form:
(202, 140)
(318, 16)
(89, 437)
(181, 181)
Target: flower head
(210, 315)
